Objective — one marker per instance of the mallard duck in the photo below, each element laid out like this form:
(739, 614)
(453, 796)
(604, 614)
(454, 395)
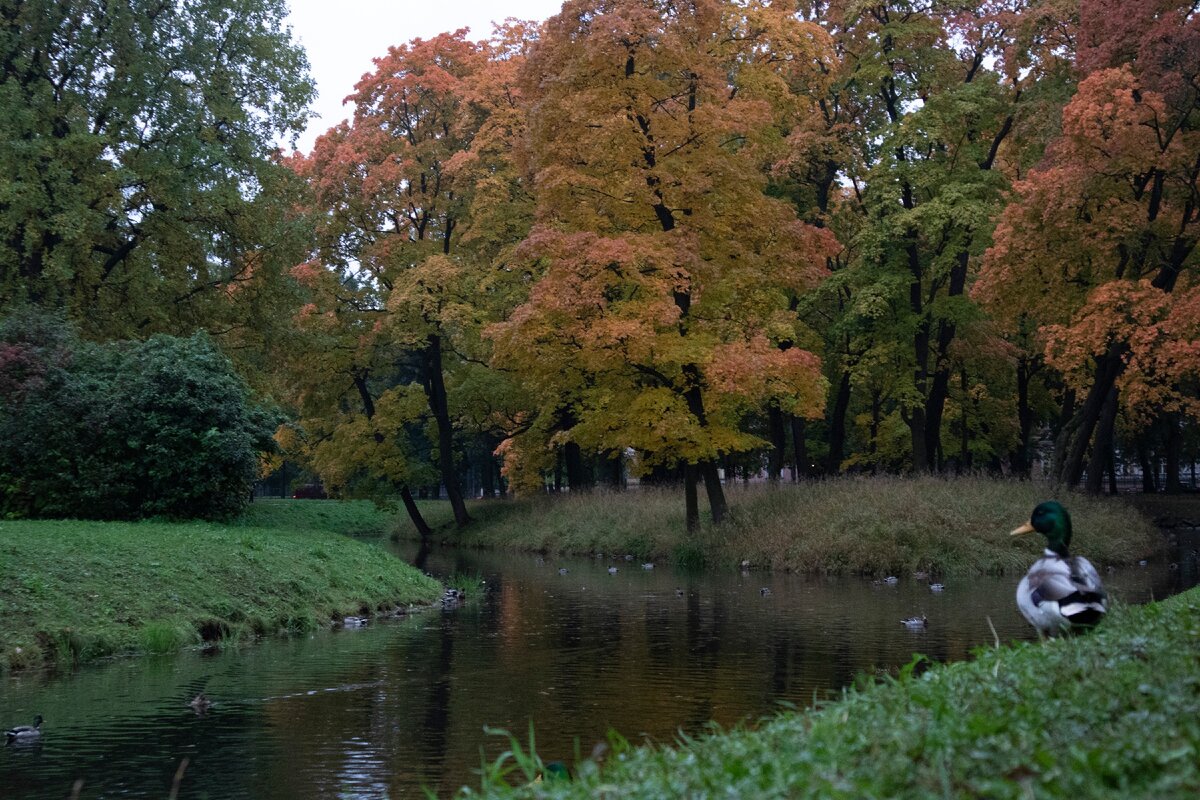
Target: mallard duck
(915, 622)
(1060, 591)
(24, 733)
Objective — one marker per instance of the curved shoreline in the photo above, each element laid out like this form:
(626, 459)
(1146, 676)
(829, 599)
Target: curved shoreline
(73, 592)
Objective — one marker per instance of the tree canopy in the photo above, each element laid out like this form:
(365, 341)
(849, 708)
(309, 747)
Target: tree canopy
(139, 188)
(681, 241)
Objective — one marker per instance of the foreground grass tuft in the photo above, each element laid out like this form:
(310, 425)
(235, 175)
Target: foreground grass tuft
(877, 525)
(74, 591)
(1115, 714)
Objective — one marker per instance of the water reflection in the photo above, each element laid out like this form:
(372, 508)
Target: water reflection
(382, 711)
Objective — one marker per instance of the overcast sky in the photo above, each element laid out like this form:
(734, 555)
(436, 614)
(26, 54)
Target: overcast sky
(342, 37)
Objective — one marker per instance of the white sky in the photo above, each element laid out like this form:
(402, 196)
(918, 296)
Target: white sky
(342, 37)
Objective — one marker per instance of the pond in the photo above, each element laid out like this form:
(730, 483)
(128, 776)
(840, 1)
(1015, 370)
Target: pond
(388, 709)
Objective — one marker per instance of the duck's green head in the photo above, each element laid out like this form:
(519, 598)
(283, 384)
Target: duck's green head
(1052, 521)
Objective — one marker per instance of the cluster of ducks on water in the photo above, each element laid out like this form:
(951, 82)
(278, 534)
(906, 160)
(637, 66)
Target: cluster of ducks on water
(1058, 594)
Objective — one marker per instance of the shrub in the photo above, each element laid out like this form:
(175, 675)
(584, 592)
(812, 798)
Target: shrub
(125, 430)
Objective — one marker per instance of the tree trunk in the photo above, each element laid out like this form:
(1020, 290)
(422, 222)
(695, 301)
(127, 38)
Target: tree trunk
(775, 457)
(916, 428)
(1066, 428)
(917, 424)
(837, 425)
(708, 468)
(1102, 446)
(799, 448)
(1149, 468)
(577, 479)
(1022, 464)
(414, 513)
(615, 471)
(690, 499)
(939, 391)
(1108, 369)
(1173, 484)
(964, 447)
(435, 392)
(876, 420)
(716, 495)
(486, 476)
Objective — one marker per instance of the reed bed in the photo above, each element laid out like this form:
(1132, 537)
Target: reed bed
(875, 525)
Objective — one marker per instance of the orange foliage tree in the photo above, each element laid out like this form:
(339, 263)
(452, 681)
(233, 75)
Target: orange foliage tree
(663, 271)
(1098, 246)
(412, 199)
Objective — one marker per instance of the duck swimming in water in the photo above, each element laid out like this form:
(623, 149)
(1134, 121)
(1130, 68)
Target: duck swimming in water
(24, 733)
(1061, 591)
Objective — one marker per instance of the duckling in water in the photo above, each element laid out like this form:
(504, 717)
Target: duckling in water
(915, 622)
(200, 704)
(24, 733)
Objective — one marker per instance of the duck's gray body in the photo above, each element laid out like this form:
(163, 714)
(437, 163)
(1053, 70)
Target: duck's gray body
(24, 733)
(1058, 594)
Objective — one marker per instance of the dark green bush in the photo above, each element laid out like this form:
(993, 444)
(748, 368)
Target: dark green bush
(124, 430)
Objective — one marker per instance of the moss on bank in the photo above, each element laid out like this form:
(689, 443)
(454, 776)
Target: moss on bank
(74, 591)
(1115, 714)
(877, 525)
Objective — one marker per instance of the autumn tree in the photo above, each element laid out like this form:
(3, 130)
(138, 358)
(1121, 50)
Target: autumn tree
(136, 159)
(414, 197)
(662, 269)
(1098, 244)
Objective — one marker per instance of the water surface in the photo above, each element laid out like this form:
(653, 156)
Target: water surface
(383, 711)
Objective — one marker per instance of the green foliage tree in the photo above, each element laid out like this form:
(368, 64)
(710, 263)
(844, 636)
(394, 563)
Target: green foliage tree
(138, 188)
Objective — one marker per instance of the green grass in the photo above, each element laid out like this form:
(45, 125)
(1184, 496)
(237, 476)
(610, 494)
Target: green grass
(878, 525)
(1115, 714)
(350, 517)
(74, 591)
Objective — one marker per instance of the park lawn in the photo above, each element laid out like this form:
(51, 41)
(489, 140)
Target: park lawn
(72, 591)
(870, 525)
(1113, 714)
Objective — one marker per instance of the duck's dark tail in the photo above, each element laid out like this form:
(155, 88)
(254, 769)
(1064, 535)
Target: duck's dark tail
(1084, 609)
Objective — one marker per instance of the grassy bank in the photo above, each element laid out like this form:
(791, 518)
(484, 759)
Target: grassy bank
(1115, 714)
(878, 525)
(74, 591)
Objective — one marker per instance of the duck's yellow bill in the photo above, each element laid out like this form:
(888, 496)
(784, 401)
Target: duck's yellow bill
(1024, 529)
